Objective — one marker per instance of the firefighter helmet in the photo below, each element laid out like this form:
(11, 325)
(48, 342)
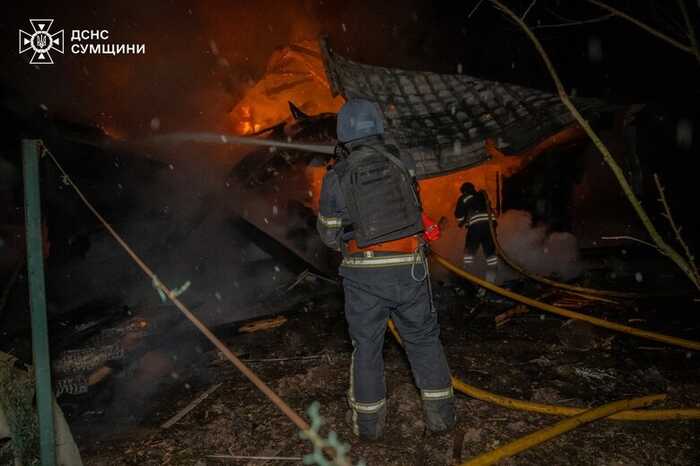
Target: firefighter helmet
(359, 118)
(467, 188)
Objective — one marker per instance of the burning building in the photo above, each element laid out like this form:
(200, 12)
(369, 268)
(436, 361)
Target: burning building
(457, 128)
(232, 229)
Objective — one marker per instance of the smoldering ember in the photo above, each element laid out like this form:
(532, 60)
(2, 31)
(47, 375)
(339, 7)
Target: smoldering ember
(349, 233)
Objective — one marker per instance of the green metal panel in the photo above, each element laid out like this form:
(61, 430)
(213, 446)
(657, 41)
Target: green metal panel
(37, 299)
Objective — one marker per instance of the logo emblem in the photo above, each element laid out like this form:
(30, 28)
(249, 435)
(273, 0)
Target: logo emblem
(41, 41)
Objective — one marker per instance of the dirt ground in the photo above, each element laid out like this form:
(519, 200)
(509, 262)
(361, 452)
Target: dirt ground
(532, 357)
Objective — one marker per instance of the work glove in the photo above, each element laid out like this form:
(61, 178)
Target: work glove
(431, 230)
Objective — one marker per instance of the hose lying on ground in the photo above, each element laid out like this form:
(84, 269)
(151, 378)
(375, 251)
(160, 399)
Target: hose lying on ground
(682, 342)
(641, 415)
(511, 403)
(535, 438)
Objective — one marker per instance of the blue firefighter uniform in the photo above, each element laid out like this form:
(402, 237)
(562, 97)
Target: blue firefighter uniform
(472, 211)
(382, 281)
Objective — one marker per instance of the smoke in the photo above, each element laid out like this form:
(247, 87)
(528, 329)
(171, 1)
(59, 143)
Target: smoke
(199, 58)
(173, 207)
(536, 248)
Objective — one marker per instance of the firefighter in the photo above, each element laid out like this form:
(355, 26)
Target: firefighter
(386, 279)
(472, 212)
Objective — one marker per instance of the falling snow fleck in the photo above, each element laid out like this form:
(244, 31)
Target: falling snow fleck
(344, 28)
(155, 124)
(684, 133)
(638, 276)
(171, 166)
(274, 211)
(214, 48)
(595, 49)
(459, 68)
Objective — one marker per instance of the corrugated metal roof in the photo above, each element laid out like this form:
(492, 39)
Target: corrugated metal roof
(442, 120)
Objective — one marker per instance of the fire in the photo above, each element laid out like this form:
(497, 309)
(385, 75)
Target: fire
(294, 74)
(439, 194)
(243, 120)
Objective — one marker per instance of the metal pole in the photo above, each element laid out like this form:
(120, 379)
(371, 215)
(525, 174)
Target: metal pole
(37, 300)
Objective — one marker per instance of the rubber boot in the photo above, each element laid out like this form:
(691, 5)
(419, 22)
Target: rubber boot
(368, 427)
(440, 415)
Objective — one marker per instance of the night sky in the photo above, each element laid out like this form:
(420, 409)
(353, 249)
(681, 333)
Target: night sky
(201, 56)
(179, 76)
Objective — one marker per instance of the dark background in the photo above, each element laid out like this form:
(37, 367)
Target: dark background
(181, 80)
(183, 83)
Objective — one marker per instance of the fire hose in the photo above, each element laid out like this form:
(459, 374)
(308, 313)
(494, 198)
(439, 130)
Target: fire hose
(229, 139)
(624, 410)
(521, 405)
(540, 436)
(683, 343)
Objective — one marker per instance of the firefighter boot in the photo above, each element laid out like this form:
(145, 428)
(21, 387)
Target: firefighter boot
(439, 409)
(491, 274)
(368, 426)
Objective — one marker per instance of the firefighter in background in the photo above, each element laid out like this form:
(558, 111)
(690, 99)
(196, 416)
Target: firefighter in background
(370, 211)
(472, 211)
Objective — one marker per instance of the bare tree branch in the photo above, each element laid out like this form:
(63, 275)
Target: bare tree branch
(528, 9)
(676, 228)
(632, 238)
(691, 29)
(475, 8)
(574, 23)
(649, 29)
(663, 16)
(607, 156)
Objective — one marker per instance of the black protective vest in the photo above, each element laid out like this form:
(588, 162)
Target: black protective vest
(379, 194)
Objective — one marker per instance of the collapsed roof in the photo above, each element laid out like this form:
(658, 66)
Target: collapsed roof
(443, 120)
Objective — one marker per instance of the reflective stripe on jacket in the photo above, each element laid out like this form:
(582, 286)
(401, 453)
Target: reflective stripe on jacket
(334, 227)
(471, 209)
(370, 260)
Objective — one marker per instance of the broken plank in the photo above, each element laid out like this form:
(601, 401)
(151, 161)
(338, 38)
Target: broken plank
(183, 412)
